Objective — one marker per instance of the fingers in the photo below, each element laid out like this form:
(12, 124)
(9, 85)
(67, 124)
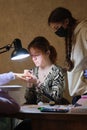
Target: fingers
(28, 73)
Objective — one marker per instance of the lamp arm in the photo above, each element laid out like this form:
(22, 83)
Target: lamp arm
(5, 48)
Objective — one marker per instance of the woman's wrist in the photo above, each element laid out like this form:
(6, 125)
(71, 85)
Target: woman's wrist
(18, 75)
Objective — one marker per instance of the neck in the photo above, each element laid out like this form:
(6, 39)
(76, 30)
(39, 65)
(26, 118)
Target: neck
(45, 66)
(43, 72)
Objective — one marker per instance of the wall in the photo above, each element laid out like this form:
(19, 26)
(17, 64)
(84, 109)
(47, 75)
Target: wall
(26, 19)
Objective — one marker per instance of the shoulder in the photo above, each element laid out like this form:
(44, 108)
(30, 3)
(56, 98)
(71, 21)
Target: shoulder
(83, 23)
(82, 26)
(57, 69)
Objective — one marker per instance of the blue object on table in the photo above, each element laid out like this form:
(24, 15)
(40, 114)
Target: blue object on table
(44, 109)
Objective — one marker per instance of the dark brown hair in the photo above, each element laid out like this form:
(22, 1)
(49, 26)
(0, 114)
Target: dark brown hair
(59, 15)
(43, 44)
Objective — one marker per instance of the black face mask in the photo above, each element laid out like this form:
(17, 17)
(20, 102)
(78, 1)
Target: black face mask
(61, 32)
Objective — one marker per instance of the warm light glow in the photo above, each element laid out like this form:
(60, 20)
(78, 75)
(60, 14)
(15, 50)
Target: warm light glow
(19, 57)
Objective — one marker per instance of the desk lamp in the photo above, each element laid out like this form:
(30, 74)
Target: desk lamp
(18, 52)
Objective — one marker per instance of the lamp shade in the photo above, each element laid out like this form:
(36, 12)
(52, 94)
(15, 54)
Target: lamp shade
(18, 52)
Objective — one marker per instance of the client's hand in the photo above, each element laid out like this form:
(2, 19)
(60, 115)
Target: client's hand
(29, 77)
(19, 75)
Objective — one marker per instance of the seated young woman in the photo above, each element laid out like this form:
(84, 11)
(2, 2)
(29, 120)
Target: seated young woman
(46, 81)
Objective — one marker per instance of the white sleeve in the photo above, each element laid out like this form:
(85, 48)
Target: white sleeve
(6, 77)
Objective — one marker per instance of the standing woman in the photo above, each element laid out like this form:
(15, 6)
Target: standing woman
(46, 80)
(75, 34)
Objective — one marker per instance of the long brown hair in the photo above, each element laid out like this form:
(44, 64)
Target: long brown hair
(59, 15)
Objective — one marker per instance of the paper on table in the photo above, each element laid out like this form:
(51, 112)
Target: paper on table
(81, 109)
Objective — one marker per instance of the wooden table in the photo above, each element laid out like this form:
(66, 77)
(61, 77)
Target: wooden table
(52, 121)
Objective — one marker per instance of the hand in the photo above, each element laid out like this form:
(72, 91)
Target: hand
(19, 75)
(29, 77)
(68, 66)
(24, 75)
(85, 74)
